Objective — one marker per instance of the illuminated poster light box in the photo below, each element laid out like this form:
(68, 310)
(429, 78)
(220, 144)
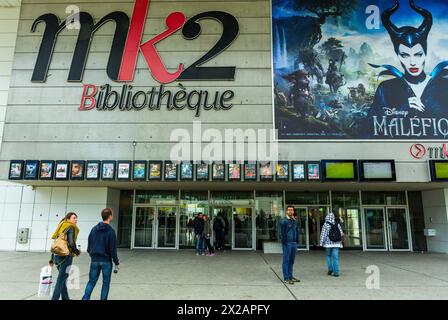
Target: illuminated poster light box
(439, 170)
(377, 170)
(340, 170)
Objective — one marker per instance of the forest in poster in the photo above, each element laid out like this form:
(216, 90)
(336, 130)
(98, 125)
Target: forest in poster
(360, 69)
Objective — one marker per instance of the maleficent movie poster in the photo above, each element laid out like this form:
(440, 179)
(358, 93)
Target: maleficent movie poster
(360, 69)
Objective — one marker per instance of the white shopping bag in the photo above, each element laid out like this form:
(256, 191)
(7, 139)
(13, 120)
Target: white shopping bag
(45, 282)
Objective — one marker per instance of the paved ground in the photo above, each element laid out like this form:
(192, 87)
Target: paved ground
(243, 275)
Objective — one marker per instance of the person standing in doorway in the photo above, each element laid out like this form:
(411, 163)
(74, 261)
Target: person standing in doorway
(68, 227)
(289, 238)
(331, 240)
(207, 236)
(199, 234)
(219, 226)
(102, 248)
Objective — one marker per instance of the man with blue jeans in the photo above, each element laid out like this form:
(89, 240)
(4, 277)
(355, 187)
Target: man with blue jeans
(102, 248)
(199, 234)
(289, 237)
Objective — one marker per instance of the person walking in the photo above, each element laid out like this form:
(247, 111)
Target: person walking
(219, 225)
(67, 229)
(207, 236)
(289, 238)
(199, 234)
(102, 248)
(331, 239)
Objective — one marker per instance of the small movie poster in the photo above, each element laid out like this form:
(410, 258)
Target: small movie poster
(202, 172)
(250, 171)
(124, 170)
(186, 171)
(234, 173)
(77, 170)
(298, 171)
(46, 170)
(282, 172)
(16, 170)
(313, 171)
(31, 170)
(62, 170)
(266, 171)
(171, 171)
(93, 170)
(108, 170)
(139, 172)
(155, 170)
(218, 171)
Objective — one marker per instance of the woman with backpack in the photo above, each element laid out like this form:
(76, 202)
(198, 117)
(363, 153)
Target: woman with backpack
(331, 239)
(63, 250)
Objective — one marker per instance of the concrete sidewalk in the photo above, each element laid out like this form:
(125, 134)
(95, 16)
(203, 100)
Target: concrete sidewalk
(242, 275)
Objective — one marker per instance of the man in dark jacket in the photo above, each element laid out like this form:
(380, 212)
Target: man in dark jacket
(289, 237)
(102, 248)
(199, 234)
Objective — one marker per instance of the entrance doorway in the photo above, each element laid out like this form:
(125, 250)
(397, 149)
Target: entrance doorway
(310, 222)
(386, 229)
(239, 231)
(155, 227)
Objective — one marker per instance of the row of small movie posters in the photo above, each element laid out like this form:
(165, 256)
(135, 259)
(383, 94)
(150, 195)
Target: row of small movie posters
(167, 170)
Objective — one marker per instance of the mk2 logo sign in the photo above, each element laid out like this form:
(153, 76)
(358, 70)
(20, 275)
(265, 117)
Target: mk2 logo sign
(127, 44)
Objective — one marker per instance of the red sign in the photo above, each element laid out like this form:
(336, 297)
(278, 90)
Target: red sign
(418, 151)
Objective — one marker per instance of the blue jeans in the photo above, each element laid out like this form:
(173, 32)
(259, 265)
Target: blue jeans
(200, 244)
(60, 289)
(96, 268)
(332, 254)
(289, 255)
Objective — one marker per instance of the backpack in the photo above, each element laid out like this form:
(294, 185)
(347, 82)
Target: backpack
(217, 225)
(335, 234)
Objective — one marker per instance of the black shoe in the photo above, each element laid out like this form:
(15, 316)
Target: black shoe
(295, 279)
(330, 273)
(336, 275)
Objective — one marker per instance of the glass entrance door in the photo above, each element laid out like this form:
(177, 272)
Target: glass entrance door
(167, 227)
(316, 220)
(155, 227)
(144, 220)
(387, 229)
(375, 226)
(302, 216)
(243, 228)
(398, 231)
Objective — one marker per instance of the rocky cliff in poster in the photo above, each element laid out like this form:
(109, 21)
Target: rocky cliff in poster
(360, 69)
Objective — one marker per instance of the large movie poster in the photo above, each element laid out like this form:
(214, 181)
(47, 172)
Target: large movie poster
(360, 69)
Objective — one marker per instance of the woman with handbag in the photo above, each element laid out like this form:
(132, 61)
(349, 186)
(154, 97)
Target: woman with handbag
(63, 250)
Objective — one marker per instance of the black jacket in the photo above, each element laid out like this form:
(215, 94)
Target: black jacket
(198, 226)
(71, 241)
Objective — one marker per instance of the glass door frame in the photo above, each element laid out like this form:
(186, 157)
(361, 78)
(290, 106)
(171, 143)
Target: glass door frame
(212, 218)
(155, 227)
(254, 229)
(364, 232)
(134, 217)
(408, 226)
(386, 225)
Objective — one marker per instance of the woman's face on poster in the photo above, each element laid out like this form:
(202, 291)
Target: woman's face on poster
(412, 59)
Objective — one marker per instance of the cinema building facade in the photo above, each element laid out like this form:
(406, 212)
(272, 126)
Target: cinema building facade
(96, 97)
